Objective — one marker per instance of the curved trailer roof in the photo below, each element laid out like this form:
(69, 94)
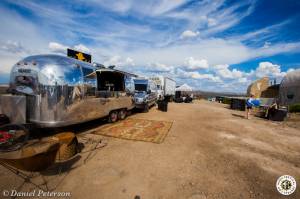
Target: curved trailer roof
(289, 91)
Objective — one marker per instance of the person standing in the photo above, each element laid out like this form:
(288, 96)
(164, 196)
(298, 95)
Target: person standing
(249, 105)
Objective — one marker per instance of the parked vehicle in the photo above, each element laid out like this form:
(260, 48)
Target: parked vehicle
(145, 93)
(165, 86)
(54, 90)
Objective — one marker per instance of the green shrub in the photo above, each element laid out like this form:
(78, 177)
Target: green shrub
(294, 108)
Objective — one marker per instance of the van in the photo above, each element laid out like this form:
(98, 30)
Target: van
(145, 94)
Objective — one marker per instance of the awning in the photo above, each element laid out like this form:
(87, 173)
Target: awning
(184, 87)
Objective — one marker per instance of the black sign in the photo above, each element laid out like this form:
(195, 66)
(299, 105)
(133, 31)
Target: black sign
(79, 55)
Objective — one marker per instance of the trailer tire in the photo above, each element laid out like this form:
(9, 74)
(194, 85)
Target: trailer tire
(113, 117)
(122, 114)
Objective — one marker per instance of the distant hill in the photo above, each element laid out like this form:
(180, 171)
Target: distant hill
(3, 88)
(209, 94)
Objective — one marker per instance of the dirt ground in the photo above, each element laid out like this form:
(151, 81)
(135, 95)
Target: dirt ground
(210, 152)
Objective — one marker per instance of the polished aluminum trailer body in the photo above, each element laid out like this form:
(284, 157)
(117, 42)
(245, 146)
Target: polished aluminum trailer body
(61, 91)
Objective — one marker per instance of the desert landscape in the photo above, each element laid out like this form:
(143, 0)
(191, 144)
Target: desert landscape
(209, 152)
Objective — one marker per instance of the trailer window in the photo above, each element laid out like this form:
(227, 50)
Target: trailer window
(89, 81)
(26, 84)
(73, 76)
(87, 71)
(90, 86)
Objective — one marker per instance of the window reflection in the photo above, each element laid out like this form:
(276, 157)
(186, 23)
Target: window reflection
(89, 81)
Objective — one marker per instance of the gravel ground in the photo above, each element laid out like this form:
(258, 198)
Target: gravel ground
(210, 152)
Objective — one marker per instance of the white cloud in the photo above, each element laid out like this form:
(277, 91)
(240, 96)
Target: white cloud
(268, 69)
(211, 22)
(131, 44)
(12, 46)
(267, 44)
(150, 7)
(242, 80)
(194, 64)
(275, 49)
(211, 17)
(189, 34)
(57, 47)
(211, 77)
(7, 61)
(115, 60)
(20, 31)
(118, 61)
(82, 48)
(290, 70)
(262, 34)
(129, 61)
(158, 67)
(116, 6)
(166, 5)
(225, 72)
(222, 18)
(196, 75)
(19, 38)
(60, 48)
(216, 51)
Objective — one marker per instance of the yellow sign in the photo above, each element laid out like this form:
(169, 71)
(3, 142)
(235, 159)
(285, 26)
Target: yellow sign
(80, 56)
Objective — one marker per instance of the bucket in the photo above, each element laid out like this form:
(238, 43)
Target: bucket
(162, 105)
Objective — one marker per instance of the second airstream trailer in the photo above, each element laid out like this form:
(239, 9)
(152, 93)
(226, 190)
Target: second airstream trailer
(54, 90)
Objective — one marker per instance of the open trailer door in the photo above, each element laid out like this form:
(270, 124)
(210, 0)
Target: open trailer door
(115, 93)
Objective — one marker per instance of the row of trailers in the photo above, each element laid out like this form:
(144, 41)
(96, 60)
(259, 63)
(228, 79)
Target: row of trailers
(54, 91)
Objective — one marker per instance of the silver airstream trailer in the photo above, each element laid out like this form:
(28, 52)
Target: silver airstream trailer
(54, 90)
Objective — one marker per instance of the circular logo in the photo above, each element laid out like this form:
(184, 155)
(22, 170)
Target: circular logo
(286, 185)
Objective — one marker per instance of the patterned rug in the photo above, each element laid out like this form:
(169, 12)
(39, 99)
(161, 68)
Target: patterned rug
(137, 129)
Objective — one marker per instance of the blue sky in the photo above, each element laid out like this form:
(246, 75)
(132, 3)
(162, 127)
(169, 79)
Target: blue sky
(211, 45)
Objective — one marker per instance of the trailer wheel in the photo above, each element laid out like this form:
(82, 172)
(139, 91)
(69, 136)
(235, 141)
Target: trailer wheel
(113, 116)
(122, 114)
